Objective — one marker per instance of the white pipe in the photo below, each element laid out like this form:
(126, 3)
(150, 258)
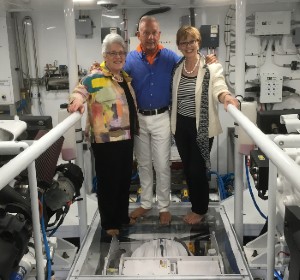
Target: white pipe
(239, 90)
(12, 148)
(284, 163)
(14, 167)
(82, 205)
(240, 47)
(288, 141)
(271, 220)
(34, 200)
(71, 43)
(238, 194)
(73, 81)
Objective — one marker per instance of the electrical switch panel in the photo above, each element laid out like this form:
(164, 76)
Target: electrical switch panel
(210, 36)
(272, 23)
(270, 88)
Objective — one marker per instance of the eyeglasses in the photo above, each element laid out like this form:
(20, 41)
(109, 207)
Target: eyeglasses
(190, 43)
(115, 54)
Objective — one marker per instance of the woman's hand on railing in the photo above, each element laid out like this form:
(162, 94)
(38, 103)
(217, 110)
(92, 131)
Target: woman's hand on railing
(229, 99)
(76, 105)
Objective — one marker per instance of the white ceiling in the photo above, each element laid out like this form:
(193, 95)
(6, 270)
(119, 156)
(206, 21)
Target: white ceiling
(21, 5)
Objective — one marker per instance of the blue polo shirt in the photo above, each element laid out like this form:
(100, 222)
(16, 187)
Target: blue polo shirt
(151, 82)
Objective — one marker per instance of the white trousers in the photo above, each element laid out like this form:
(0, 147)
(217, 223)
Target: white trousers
(153, 143)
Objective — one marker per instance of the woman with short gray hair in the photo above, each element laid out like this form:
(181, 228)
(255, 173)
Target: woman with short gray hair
(113, 122)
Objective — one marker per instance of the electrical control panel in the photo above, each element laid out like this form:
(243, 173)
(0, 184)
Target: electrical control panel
(210, 36)
(84, 26)
(270, 88)
(272, 23)
(259, 169)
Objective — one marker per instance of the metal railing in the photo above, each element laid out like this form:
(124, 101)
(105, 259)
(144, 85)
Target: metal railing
(27, 159)
(278, 160)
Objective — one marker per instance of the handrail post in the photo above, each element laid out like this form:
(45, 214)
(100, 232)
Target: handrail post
(238, 194)
(271, 220)
(34, 200)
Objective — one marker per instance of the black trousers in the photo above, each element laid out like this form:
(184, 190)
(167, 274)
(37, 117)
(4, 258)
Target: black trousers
(113, 164)
(193, 163)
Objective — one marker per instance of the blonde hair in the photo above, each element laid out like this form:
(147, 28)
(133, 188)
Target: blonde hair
(186, 30)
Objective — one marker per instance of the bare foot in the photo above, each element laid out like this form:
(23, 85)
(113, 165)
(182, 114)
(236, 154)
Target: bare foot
(165, 218)
(138, 212)
(132, 221)
(113, 232)
(193, 218)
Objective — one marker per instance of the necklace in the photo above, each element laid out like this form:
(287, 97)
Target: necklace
(118, 79)
(190, 72)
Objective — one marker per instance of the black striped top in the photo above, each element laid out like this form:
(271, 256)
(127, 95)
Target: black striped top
(186, 96)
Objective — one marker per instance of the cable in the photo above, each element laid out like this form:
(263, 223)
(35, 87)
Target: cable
(222, 190)
(251, 192)
(276, 274)
(47, 249)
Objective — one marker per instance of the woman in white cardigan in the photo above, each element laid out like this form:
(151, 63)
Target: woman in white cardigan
(196, 90)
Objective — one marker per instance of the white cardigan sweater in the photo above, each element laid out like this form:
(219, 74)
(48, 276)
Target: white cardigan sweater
(217, 85)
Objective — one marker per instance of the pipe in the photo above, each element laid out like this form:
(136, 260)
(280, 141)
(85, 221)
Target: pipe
(15, 166)
(271, 220)
(13, 148)
(240, 47)
(73, 81)
(71, 43)
(34, 200)
(238, 193)
(31, 63)
(285, 164)
(18, 50)
(82, 206)
(239, 90)
(287, 141)
(125, 20)
(192, 17)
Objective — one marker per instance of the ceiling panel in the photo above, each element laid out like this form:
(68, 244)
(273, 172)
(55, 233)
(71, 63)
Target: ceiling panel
(20, 5)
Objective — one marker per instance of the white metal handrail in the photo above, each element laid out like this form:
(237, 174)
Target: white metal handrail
(26, 159)
(279, 159)
(284, 163)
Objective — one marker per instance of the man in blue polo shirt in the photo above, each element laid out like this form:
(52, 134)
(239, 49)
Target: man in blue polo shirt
(150, 67)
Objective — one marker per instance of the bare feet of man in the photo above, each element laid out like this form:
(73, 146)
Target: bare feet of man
(112, 232)
(165, 218)
(193, 218)
(137, 213)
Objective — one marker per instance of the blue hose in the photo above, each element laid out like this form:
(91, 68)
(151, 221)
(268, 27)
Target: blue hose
(276, 274)
(47, 249)
(251, 192)
(222, 190)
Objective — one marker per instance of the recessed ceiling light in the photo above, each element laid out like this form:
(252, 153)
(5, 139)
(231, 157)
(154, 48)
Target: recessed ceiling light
(110, 16)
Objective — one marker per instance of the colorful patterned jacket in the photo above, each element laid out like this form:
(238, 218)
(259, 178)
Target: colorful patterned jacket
(108, 111)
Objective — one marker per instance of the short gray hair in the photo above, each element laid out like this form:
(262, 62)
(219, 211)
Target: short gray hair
(146, 19)
(110, 39)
